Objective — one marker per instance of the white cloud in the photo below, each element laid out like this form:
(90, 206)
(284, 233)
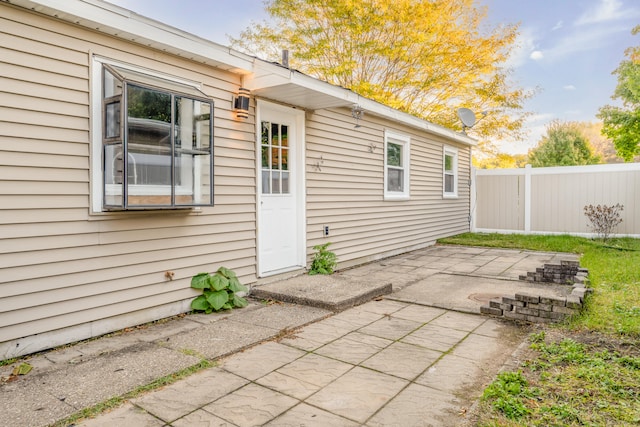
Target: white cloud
(569, 87)
(536, 55)
(523, 46)
(583, 41)
(558, 25)
(604, 11)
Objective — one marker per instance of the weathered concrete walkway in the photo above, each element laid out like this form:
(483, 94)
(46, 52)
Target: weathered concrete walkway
(416, 357)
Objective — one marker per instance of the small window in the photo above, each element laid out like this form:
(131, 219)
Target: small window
(275, 158)
(450, 172)
(396, 166)
(157, 143)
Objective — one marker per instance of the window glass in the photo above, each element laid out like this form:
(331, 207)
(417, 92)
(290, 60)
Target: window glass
(394, 180)
(396, 173)
(275, 158)
(450, 171)
(394, 154)
(112, 120)
(448, 162)
(164, 157)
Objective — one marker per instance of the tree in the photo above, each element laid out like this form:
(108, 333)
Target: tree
(424, 57)
(563, 145)
(501, 161)
(622, 124)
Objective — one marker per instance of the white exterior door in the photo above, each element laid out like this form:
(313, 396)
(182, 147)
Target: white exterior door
(280, 188)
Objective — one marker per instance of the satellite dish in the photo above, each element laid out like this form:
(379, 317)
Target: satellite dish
(467, 117)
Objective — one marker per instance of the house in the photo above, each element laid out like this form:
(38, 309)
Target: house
(134, 155)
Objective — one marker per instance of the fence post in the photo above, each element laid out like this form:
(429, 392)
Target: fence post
(474, 198)
(527, 199)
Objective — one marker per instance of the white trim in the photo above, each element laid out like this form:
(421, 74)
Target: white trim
(450, 151)
(299, 176)
(404, 141)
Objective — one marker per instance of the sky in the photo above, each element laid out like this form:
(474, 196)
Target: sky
(566, 49)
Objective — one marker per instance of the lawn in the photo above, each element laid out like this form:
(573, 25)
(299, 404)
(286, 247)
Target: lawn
(585, 371)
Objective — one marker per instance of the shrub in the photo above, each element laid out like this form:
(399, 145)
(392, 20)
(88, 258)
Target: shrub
(220, 291)
(324, 261)
(603, 219)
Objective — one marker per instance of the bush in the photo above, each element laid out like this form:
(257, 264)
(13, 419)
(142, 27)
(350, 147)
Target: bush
(220, 291)
(324, 261)
(603, 218)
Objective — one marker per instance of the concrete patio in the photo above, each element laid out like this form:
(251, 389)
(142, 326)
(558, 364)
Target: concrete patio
(419, 356)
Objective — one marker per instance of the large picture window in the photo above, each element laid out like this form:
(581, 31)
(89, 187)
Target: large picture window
(396, 166)
(157, 140)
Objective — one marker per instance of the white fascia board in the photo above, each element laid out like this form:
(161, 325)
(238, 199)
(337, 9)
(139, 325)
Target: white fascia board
(111, 19)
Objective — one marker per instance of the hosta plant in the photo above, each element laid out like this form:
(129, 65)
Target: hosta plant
(220, 291)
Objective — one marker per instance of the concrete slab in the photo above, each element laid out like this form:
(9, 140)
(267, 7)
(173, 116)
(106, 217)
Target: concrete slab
(280, 316)
(468, 293)
(252, 405)
(261, 360)
(219, 338)
(334, 292)
(309, 416)
(113, 374)
(419, 406)
(186, 396)
(418, 359)
(358, 394)
(24, 403)
(127, 414)
(354, 348)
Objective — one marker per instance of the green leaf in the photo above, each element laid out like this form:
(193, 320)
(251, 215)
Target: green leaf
(226, 272)
(227, 306)
(236, 286)
(200, 303)
(200, 281)
(239, 301)
(218, 299)
(22, 369)
(218, 282)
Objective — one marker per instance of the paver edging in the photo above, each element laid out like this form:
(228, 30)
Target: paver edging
(534, 308)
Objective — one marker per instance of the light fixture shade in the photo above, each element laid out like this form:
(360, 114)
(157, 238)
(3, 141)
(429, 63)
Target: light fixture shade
(241, 103)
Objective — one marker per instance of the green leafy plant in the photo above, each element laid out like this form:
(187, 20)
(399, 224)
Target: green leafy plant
(220, 291)
(509, 393)
(324, 261)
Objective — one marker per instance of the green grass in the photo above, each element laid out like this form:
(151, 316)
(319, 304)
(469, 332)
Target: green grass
(568, 383)
(614, 272)
(588, 374)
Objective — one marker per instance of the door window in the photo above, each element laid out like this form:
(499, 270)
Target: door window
(275, 158)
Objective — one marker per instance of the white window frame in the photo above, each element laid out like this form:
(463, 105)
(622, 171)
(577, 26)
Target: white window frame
(96, 127)
(405, 142)
(453, 152)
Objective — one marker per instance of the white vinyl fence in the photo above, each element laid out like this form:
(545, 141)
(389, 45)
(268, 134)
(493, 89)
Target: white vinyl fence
(552, 200)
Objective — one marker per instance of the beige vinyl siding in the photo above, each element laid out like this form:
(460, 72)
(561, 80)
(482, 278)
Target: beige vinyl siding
(345, 189)
(62, 267)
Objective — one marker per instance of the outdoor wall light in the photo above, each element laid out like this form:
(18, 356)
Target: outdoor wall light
(357, 112)
(241, 103)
